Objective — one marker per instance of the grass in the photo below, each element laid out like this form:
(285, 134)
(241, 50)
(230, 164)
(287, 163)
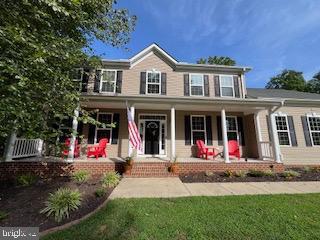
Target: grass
(231, 217)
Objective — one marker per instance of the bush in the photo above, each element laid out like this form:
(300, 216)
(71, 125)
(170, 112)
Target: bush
(316, 169)
(228, 173)
(110, 179)
(269, 173)
(307, 169)
(290, 174)
(26, 179)
(81, 176)
(241, 174)
(208, 173)
(100, 192)
(61, 203)
(3, 215)
(256, 173)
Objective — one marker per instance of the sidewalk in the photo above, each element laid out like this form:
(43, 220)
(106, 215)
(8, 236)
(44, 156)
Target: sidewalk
(173, 187)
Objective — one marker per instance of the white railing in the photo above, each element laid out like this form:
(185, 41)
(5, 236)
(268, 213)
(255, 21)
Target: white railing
(27, 147)
(266, 150)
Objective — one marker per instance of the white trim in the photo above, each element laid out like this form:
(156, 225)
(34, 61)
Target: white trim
(204, 130)
(173, 132)
(157, 72)
(107, 128)
(274, 137)
(225, 136)
(114, 81)
(280, 114)
(190, 85)
(312, 115)
(233, 90)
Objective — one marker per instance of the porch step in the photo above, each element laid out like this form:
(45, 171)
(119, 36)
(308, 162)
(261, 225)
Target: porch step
(150, 170)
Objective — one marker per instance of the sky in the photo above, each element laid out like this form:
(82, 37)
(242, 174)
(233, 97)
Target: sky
(267, 35)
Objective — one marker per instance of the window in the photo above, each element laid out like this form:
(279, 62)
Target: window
(196, 85)
(153, 83)
(76, 74)
(283, 130)
(104, 131)
(232, 128)
(198, 129)
(314, 127)
(226, 85)
(108, 81)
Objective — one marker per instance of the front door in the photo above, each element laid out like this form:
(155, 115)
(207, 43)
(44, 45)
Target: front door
(152, 137)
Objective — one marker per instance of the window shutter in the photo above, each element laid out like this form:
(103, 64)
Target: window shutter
(236, 86)
(186, 84)
(92, 131)
(97, 81)
(217, 86)
(292, 132)
(306, 132)
(143, 82)
(163, 83)
(209, 130)
(187, 130)
(85, 80)
(269, 128)
(219, 130)
(115, 130)
(119, 81)
(206, 85)
(241, 131)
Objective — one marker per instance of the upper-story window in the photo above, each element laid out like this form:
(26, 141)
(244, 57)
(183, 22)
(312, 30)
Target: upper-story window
(314, 128)
(226, 85)
(153, 83)
(283, 130)
(196, 85)
(108, 81)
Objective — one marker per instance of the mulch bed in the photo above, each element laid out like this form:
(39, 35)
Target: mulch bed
(23, 204)
(221, 177)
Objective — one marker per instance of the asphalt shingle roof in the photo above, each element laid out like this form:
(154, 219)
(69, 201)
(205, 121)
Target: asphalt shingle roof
(280, 93)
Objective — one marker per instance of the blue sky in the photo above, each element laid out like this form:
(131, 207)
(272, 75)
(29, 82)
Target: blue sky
(268, 35)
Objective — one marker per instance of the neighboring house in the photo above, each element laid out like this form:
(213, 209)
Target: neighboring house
(175, 103)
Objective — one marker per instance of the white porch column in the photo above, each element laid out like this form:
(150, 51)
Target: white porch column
(73, 136)
(225, 136)
(258, 133)
(274, 137)
(173, 133)
(130, 149)
(9, 147)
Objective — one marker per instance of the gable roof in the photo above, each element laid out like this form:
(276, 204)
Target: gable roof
(281, 94)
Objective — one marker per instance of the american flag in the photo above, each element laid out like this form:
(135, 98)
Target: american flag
(134, 135)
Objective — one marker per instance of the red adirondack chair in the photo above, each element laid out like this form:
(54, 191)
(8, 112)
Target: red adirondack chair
(234, 149)
(98, 149)
(204, 152)
(65, 151)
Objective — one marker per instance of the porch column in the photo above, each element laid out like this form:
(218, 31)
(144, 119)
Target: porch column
(9, 147)
(258, 133)
(274, 138)
(74, 135)
(130, 149)
(225, 136)
(173, 133)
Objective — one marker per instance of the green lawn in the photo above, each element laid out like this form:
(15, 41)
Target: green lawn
(233, 217)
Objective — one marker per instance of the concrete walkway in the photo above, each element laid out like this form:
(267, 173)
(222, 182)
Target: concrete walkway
(173, 187)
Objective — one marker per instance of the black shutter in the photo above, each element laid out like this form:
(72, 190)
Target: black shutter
(85, 80)
(187, 130)
(163, 83)
(209, 130)
(241, 131)
(219, 130)
(119, 81)
(206, 85)
(217, 86)
(143, 83)
(292, 132)
(306, 132)
(236, 86)
(97, 81)
(92, 131)
(115, 130)
(269, 128)
(186, 84)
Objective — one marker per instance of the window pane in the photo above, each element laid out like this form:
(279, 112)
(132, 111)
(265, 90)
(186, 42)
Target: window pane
(108, 76)
(197, 123)
(198, 136)
(105, 118)
(281, 122)
(314, 123)
(107, 87)
(283, 138)
(153, 88)
(231, 124)
(316, 138)
(196, 80)
(227, 91)
(226, 81)
(232, 136)
(105, 133)
(153, 77)
(196, 90)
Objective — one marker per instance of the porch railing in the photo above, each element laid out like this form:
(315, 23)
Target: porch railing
(27, 147)
(266, 150)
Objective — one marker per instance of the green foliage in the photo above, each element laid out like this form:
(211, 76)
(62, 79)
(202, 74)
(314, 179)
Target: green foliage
(61, 203)
(314, 84)
(81, 176)
(100, 192)
(240, 174)
(289, 80)
(288, 174)
(307, 169)
(209, 173)
(228, 173)
(217, 60)
(27, 179)
(256, 173)
(269, 173)
(110, 179)
(3, 215)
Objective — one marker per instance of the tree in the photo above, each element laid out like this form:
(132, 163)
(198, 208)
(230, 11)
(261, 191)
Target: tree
(289, 80)
(218, 60)
(314, 84)
(41, 42)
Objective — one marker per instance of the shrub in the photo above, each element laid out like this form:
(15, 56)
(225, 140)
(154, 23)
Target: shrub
(228, 173)
(316, 169)
(81, 176)
(110, 179)
(307, 169)
(100, 192)
(241, 174)
(269, 173)
(256, 173)
(61, 203)
(26, 179)
(290, 174)
(3, 215)
(208, 173)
